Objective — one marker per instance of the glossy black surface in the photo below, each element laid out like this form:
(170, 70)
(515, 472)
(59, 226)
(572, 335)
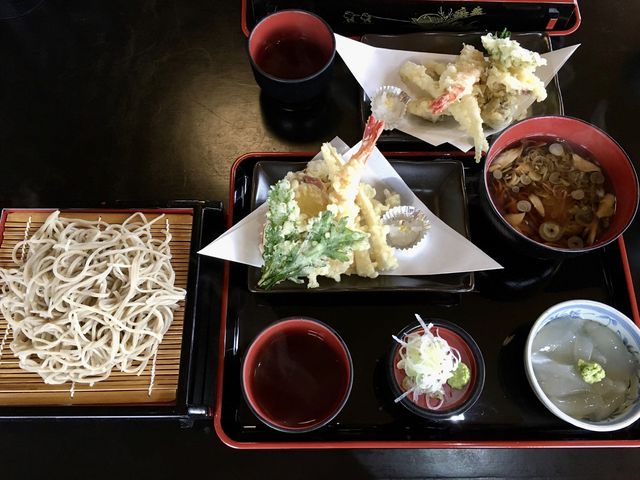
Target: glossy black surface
(507, 408)
(147, 100)
(450, 43)
(440, 185)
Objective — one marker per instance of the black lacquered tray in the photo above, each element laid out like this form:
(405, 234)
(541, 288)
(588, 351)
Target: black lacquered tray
(440, 185)
(498, 313)
(355, 17)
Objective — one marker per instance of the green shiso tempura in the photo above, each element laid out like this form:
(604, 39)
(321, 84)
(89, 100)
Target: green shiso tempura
(291, 253)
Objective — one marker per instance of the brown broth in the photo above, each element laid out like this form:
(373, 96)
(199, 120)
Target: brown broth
(299, 379)
(291, 58)
(559, 206)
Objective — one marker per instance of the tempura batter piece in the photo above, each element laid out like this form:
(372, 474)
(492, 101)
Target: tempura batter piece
(422, 108)
(467, 114)
(476, 90)
(419, 80)
(381, 252)
(459, 78)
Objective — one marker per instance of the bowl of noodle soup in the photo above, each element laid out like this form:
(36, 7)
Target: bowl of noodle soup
(557, 187)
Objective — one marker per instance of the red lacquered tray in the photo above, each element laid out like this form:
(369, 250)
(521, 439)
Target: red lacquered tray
(498, 314)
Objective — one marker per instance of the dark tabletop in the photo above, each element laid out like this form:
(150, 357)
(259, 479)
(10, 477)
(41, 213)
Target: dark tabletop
(153, 100)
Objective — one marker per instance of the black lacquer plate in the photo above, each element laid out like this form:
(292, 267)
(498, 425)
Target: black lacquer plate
(497, 314)
(451, 43)
(440, 185)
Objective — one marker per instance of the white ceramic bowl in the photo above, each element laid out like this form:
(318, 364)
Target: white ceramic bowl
(605, 315)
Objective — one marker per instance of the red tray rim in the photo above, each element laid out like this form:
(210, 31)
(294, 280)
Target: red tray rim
(217, 411)
(553, 33)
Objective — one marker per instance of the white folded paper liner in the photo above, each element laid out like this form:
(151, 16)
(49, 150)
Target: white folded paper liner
(443, 250)
(374, 67)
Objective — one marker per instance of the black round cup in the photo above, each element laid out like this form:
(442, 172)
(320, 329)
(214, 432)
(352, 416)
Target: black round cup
(291, 53)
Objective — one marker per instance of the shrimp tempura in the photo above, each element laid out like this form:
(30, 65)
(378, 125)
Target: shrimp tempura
(345, 184)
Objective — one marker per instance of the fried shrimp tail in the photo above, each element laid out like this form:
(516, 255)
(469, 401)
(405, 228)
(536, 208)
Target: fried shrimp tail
(458, 78)
(372, 132)
(344, 185)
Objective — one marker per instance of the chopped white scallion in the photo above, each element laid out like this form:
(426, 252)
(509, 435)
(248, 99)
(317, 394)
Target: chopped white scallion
(428, 362)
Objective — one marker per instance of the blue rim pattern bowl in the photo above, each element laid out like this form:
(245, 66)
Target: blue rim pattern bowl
(608, 316)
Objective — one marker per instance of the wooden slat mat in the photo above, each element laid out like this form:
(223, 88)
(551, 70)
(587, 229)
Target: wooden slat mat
(18, 387)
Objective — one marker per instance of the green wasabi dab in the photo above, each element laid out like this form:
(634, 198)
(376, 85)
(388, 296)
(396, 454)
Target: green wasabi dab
(461, 377)
(591, 372)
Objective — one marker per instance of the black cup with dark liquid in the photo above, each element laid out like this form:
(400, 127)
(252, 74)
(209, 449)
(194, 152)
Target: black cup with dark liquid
(291, 58)
(297, 375)
(299, 379)
(291, 54)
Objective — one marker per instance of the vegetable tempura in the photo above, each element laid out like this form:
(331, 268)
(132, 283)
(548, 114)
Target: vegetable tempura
(323, 221)
(476, 90)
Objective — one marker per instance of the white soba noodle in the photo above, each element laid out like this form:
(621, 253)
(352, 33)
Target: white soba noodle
(558, 347)
(89, 296)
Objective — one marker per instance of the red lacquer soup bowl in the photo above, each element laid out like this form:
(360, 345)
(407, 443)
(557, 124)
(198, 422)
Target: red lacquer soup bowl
(615, 163)
(456, 401)
(297, 375)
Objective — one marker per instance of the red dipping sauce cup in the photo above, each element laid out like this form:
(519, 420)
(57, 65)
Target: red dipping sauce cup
(297, 375)
(456, 402)
(291, 53)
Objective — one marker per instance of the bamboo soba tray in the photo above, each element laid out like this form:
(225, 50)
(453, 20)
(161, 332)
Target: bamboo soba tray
(21, 388)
